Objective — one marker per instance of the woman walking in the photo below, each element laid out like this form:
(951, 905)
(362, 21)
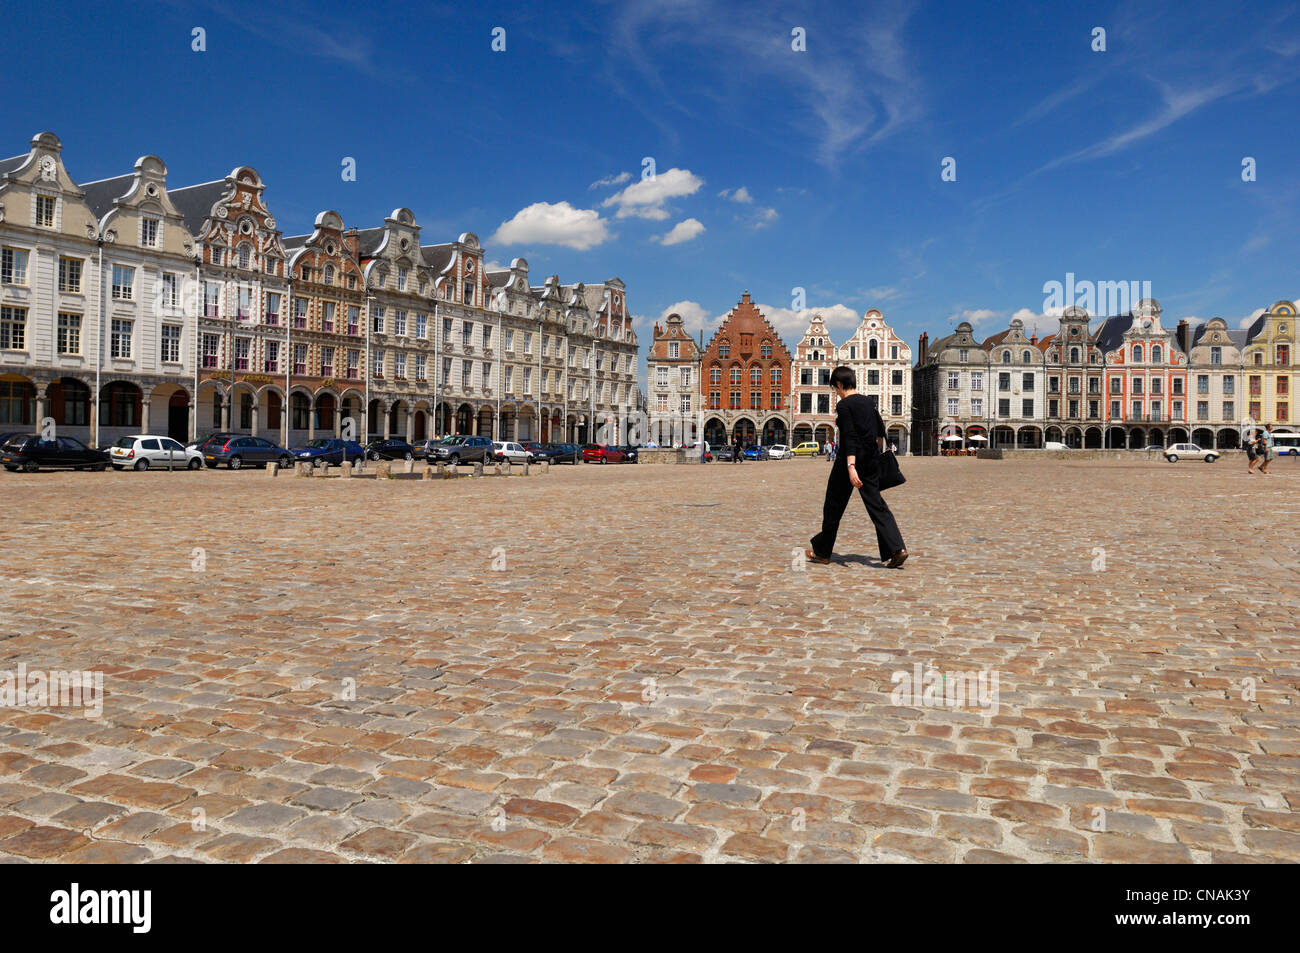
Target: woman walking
(861, 440)
(1251, 456)
(1265, 451)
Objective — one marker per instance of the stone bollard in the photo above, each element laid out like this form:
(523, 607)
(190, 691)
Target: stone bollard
(525, 468)
(345, 469)
(303, 468)
(272, 470)
(410, 466)
(428, 473)
(442, 471)
(478, 469)
(383, 471)
(546, 467)
(508, 468)
(497, 471)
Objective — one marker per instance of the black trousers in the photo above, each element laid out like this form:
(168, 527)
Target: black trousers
(838, 492)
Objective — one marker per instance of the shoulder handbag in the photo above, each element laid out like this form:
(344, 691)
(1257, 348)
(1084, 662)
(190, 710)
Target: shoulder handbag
(889, 473)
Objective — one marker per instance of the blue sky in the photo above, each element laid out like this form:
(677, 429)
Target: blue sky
(775, 168)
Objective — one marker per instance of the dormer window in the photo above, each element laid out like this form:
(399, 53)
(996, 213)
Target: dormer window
(245, 256)
(329, 274)
(401, 279)
(149, 232)
(45, 205)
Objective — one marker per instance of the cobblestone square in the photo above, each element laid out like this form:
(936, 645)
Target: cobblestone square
(631, 664)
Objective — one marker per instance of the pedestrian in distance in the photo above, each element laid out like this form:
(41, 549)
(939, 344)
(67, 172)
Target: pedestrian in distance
(1251, 456)
(1265, 451)
(737, 453)
(862, 436)
(834, 446)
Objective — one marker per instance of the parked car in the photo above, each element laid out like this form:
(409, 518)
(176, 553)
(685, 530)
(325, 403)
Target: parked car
(1189, 451)
(142, 451)
(755, 452)
(601, 453)
(629, 454)
(461, 448)
(237, 451)
(693, 450)
(1154, 446)
(389, 449)
(28, 452)
(560, 453)
(503, 450)
(779, 451)
(726, 453)
(534, 449)
(220, 436)
(1054, 445)
(326, 451)
(809, 448)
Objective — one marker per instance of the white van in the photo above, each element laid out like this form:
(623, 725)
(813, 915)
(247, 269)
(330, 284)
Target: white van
(1054, 445)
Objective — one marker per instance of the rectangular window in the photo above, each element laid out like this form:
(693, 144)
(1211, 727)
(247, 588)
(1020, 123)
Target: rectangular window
(70, 333)
(977, 380)
(953, 380)
(1283, 386)
(446, 370)
(1092, 409)
(715, 399)
(354, 364)
(1256, 386)
(1074, 408)
(896, 377)
(211, 299)
(1283, 411)
(1114, 409)
(510, 340)
(469, 293)
(354, 320)
(1027, 407)
(399, 323)
(327, 319)
(421, 373)
(1053, 408)
(1137, 410)
(13, 266)
(123, 283)
(661, 402)
(211, 345)
(977, 407)
(1202, 410)
(823, 403)
(685, 380)
(1004, 406)
(467, 373)
(272, 362)
(1094, 385)
(300, 314)
(735, 400)
(896, 403)
(243, 347)
(1155, 410)
(528, 343)
(1229, 385)
(686, 403)
(377, 363)
(873, 378)
(171, 295)
(661, 374)
(1053, 386)
(1228, 408)
(120, 338)
(399, 365)
(1074, 387)
(70, 275)
(327, 362)
(528, 381)
(149, 232)
(1283, 355)
(1004, 381)
(1178, 385)
(45, 211)
(300, 359)
(422, 326)
(485, 377)
(401, 279)
(467, 335)
(244, 305)
(674, 350)
(1216, 355)
(377, 321)
(487, 335)
(953, 407)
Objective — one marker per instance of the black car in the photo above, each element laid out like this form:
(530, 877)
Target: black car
(29, 453)
(629, 454)
(391, 449)
(560, 453)
(724, 452)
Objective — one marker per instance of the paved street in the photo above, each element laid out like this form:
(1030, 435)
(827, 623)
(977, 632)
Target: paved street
(627, 664)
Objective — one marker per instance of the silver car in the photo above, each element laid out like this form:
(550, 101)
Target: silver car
(145, 451)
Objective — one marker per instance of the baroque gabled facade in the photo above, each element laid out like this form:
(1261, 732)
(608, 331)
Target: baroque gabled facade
(882, 364)
(93, 302)
(949, 392)
(673, 379)
(1270, 363)
(1017, 381)
(812, 405)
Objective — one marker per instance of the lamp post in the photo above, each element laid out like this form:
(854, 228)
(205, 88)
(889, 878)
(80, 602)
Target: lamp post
(102, 236)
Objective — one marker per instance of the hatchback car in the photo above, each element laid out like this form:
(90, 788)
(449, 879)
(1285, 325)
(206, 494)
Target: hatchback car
(779, 451)
(629, 454)
(503, 450)
(142, 451)
(725, 453)
(239, 451)
(755, 452)
(809, 448)
(1189, 451)
(461, 448)
(29, 453)
(326, 451)
(601, 453)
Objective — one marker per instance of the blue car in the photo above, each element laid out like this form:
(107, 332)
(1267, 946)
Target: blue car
(753, 452)
(324, 451)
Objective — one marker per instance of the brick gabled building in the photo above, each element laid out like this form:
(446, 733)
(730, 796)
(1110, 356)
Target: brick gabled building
(673, 379)
(746, 368)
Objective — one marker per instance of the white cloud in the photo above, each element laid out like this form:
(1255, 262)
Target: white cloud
(1036, 323)
(683, 232)
(1250, 319)
(766, 216)
(694, 315)
(560, 224)
(737, 195)
(840, 320)
(645, 199)
(975, 316)
(610, 180)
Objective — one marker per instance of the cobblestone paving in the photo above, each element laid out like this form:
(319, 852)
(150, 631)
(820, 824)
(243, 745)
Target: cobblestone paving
(648, 674)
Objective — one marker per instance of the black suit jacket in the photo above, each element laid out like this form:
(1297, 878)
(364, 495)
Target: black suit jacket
(860, 426)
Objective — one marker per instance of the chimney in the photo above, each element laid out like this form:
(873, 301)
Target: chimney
(1033, 338)
(1184, 335)
(922, 347)
(353, 241)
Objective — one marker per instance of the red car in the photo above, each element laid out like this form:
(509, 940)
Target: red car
(601, 453)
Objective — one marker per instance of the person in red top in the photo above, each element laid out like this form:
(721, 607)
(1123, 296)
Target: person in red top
(861, 439)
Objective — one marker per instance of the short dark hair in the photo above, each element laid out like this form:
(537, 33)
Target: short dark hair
(844, 376)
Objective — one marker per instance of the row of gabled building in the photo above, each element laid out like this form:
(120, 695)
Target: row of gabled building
(1126, 381)
(130, 306)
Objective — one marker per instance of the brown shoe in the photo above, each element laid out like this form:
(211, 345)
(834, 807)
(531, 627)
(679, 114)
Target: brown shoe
(814, 558)
(897, 560)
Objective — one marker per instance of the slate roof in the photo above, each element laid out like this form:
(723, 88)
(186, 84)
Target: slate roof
(195, 202)
(100, 195)
(8, 165)
(1110, 333)
(437, 256)
(370, 239)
